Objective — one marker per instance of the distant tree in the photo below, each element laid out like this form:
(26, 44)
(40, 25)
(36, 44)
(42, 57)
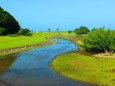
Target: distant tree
(100, 40)
(3, 31)
(49, 29)
(8, 22)
(84, 29)
(57, 29)
(81, 30)
(77, 31)
(70, 31)
(24, 31)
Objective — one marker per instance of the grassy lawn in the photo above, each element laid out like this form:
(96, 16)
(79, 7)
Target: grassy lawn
(11, 42)
(84, 68)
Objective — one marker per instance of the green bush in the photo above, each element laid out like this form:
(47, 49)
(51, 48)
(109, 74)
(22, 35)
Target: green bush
(3, 31)
(100, 40)
(24, 32)
(70, 31)
(81, 30)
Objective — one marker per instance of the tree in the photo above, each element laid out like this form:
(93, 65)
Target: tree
(57, 29)
(77, 31)
(84, 29)
(81, 30)
(49, 29)
(3, 31)
(100, 40)
(24, 31)
(70, 31)
(8, 22)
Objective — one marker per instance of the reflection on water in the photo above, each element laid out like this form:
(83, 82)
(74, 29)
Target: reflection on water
(6, 62)
(30, 68)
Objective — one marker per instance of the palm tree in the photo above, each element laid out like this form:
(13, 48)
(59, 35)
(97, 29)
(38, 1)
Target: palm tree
(57, 29)
(49, 29)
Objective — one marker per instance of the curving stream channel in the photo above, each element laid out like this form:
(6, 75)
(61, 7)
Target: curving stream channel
(30, 68)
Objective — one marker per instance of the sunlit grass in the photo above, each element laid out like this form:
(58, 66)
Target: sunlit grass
(9, 42)
(85, 68)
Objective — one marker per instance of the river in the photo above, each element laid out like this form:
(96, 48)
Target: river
(30, 68)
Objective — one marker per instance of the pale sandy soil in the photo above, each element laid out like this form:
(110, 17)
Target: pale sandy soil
(105, 55)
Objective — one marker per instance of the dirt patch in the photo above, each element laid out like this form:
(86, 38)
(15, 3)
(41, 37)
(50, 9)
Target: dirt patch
(112, 70)
(105, 55)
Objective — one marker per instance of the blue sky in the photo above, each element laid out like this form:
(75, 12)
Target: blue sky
(39, 15)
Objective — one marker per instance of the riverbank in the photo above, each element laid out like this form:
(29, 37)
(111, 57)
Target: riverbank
(23, 48)
(85, 67)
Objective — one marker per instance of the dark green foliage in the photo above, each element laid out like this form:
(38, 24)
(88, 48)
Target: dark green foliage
(24, 32)
(70, 32)
(57, 29)
(81, 30)
(3, 31)
(77, 31)
(49, 29)
(8, 22)
(100, 40)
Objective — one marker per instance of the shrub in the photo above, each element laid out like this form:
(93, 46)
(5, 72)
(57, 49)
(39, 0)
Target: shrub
(100, 40)
(70, 31)
(3, 31)
(81, 30)
(24, 32)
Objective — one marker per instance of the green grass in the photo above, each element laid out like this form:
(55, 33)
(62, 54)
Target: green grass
(11, 42)
(84, 68)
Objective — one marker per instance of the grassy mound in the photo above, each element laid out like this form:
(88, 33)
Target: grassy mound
(84, 68)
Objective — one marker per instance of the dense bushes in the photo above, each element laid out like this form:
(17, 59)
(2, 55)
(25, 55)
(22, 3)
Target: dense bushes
(81, 30)
(100, 40)
(24, 31)
(3, 31)
(70, 31)
(8, 22)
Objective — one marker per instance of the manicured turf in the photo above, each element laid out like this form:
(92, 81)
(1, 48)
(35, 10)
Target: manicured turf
(11, 42)
(84, 68)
